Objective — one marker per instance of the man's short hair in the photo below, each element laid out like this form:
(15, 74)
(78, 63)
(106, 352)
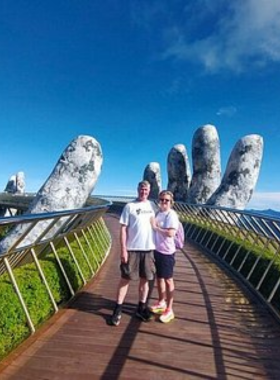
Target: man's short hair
(144, 184)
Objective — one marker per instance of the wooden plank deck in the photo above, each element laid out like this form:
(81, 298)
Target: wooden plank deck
(218, 333)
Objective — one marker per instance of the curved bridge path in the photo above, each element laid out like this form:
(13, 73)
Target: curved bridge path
(219, 332)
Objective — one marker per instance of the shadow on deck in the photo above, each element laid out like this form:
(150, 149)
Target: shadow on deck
(219, 332)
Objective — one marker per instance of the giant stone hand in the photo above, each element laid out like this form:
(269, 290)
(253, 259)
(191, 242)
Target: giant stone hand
(16, 184)
(68, 187)
(206, 187)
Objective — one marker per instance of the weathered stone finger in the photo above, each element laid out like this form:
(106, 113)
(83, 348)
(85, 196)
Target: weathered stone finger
(241, 174)
(178, 171)
(153, 176)
(206, 164)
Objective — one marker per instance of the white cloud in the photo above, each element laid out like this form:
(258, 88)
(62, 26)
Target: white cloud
(227, 111)
(264, 201)
(246, 32)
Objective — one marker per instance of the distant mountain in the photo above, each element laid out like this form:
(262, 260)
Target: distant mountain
(268, 212)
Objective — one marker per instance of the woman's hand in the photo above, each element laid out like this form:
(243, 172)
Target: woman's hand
(153, 223)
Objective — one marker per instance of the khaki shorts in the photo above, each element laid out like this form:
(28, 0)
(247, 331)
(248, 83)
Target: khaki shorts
(141, 264)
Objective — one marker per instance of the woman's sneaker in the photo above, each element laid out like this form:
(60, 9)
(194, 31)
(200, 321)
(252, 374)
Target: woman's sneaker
(158, 308)
(167, 316)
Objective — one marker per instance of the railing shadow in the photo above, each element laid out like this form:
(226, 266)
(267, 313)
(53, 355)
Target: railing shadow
(218, 352)
(98, 305)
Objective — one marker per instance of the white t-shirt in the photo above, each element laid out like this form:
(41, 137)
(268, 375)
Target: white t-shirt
(167, 219)
(136, 216)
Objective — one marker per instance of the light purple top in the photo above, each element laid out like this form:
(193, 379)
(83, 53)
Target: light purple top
(166, 219)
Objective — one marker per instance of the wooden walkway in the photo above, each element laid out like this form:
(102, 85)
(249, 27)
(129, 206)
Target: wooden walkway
(218, 333)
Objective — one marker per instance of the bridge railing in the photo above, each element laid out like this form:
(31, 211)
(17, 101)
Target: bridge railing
(80, 230)
(247, 242)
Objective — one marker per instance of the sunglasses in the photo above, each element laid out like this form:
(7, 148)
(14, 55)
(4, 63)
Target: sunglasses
(164, 200)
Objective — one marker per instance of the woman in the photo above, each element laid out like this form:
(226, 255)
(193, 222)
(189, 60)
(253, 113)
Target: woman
(165, 225)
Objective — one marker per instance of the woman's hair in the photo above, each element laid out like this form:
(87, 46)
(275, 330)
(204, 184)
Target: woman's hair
(167, 192)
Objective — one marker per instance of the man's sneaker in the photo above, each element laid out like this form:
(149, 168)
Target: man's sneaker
(115, 319)
(158, 308)
(145, 315)
(167, 316)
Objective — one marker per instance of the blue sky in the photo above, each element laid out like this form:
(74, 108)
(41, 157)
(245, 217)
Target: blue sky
(140, 77)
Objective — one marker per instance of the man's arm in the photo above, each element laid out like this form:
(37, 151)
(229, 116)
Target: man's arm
(123, 238)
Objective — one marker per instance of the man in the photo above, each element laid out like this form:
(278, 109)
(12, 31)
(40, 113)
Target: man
(137, 257)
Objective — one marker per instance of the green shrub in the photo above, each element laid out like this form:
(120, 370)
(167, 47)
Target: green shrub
(13, 326)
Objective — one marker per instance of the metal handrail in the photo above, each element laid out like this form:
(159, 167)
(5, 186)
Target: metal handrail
(85, 226)
(246, 242)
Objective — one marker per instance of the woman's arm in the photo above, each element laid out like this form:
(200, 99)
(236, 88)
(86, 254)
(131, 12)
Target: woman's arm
(169, 232)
